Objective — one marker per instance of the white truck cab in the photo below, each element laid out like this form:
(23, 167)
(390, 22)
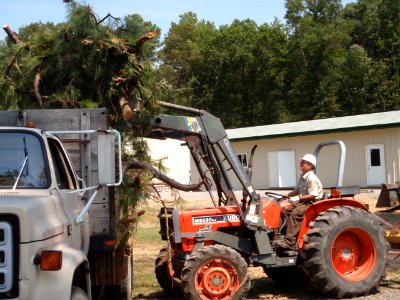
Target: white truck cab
(46, 222)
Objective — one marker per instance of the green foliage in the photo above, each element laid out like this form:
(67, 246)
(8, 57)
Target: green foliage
(241, 64)
(81, 63)
(327, 61)
(317, 54)
(377, 26)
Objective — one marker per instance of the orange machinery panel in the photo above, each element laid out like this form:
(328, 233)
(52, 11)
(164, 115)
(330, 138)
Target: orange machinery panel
(209, 219)
(271, 211)
(197, 221)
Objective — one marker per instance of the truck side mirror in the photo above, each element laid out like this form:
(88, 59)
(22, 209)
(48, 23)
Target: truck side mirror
(106, 159)
(107, 144)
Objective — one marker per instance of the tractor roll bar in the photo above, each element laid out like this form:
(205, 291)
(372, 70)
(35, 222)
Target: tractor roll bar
(342, 158)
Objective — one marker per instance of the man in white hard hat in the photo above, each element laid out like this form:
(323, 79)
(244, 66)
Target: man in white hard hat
(308, 190)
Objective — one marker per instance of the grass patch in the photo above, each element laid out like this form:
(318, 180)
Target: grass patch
(145, 282)
(147, 243)
(148, 236)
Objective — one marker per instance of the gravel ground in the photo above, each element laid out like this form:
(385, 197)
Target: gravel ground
(265, 288)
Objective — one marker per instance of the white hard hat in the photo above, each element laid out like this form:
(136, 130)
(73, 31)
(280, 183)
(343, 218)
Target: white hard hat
(310, 158)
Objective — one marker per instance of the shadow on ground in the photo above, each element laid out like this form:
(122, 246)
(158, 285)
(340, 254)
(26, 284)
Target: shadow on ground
(262, 288)
(265, 288)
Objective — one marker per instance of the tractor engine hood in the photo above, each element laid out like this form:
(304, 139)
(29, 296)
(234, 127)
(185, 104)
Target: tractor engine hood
(37, 212)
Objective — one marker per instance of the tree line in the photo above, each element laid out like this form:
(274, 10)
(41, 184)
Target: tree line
(324, 60)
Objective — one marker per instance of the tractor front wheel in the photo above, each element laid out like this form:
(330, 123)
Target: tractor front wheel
(163, 272)
(214, 272)
(345, 252)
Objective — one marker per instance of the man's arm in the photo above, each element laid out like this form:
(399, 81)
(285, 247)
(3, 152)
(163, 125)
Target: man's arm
(293, 193)
(307, 197)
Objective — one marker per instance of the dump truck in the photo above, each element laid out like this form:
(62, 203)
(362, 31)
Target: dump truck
(58, 212)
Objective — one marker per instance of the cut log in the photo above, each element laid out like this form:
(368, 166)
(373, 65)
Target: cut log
(11, 34)
(126, 109)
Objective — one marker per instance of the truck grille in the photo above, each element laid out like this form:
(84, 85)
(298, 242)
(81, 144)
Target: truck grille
(9, 256)
(6, 257)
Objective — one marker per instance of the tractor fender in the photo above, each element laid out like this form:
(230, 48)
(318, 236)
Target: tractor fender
(316, 208)
(56, 284)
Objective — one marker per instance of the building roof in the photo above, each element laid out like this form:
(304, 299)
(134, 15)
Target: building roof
(349, 123)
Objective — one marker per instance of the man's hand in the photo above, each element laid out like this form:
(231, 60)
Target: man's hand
(294, 199)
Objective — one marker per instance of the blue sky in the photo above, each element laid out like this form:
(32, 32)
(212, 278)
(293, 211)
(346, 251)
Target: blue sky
(19, 13)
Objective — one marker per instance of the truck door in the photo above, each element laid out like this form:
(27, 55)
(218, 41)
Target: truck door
(73, 202)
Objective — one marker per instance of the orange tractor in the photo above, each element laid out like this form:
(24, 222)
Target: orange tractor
(341, 247)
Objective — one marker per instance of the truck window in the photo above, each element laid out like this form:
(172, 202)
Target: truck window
(64, 175)
(22, 161)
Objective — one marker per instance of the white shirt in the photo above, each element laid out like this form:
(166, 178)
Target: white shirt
(310, 184)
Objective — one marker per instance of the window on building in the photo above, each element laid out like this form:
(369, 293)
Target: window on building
(243, 159)
(375, 158)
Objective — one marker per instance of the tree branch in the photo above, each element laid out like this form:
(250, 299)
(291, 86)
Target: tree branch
(148, 36)
(36, 83)
(10, 65)
(14, 38)
(11, 34)
(126, 109)
(157, 174)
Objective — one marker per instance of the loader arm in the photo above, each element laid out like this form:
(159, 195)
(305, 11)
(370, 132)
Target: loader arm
(209, 146)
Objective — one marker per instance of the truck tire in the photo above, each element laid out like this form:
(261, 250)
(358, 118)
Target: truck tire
(345, 252)
(217, 271)
(78, 294)
(162, 272)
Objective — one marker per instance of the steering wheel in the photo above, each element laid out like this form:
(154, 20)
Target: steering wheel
(276, 195)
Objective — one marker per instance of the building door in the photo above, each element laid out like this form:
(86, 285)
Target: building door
(282, 169)
(375, 157)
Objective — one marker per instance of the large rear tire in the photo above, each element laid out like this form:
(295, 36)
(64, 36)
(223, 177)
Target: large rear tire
(162, 272)
(345, 252)
(214, 272)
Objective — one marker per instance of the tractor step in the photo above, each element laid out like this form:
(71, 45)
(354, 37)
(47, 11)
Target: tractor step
(288, 253)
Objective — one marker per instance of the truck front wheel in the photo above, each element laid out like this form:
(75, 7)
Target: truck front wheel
(345, 252)
(78, 294)
(214, 272)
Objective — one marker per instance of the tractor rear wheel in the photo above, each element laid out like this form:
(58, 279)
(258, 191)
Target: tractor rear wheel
(214, 272)
(345, 252)
(162, 270)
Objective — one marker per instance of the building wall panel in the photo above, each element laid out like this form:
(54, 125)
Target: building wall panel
(355, 172)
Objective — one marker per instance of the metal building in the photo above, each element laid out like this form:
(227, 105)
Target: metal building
(372, 150)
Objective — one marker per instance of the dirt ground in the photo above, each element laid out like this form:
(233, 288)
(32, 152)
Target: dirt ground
(265, 288)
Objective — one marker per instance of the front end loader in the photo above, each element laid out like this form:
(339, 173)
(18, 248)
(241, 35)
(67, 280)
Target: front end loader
(341, 247)
(389, 198)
